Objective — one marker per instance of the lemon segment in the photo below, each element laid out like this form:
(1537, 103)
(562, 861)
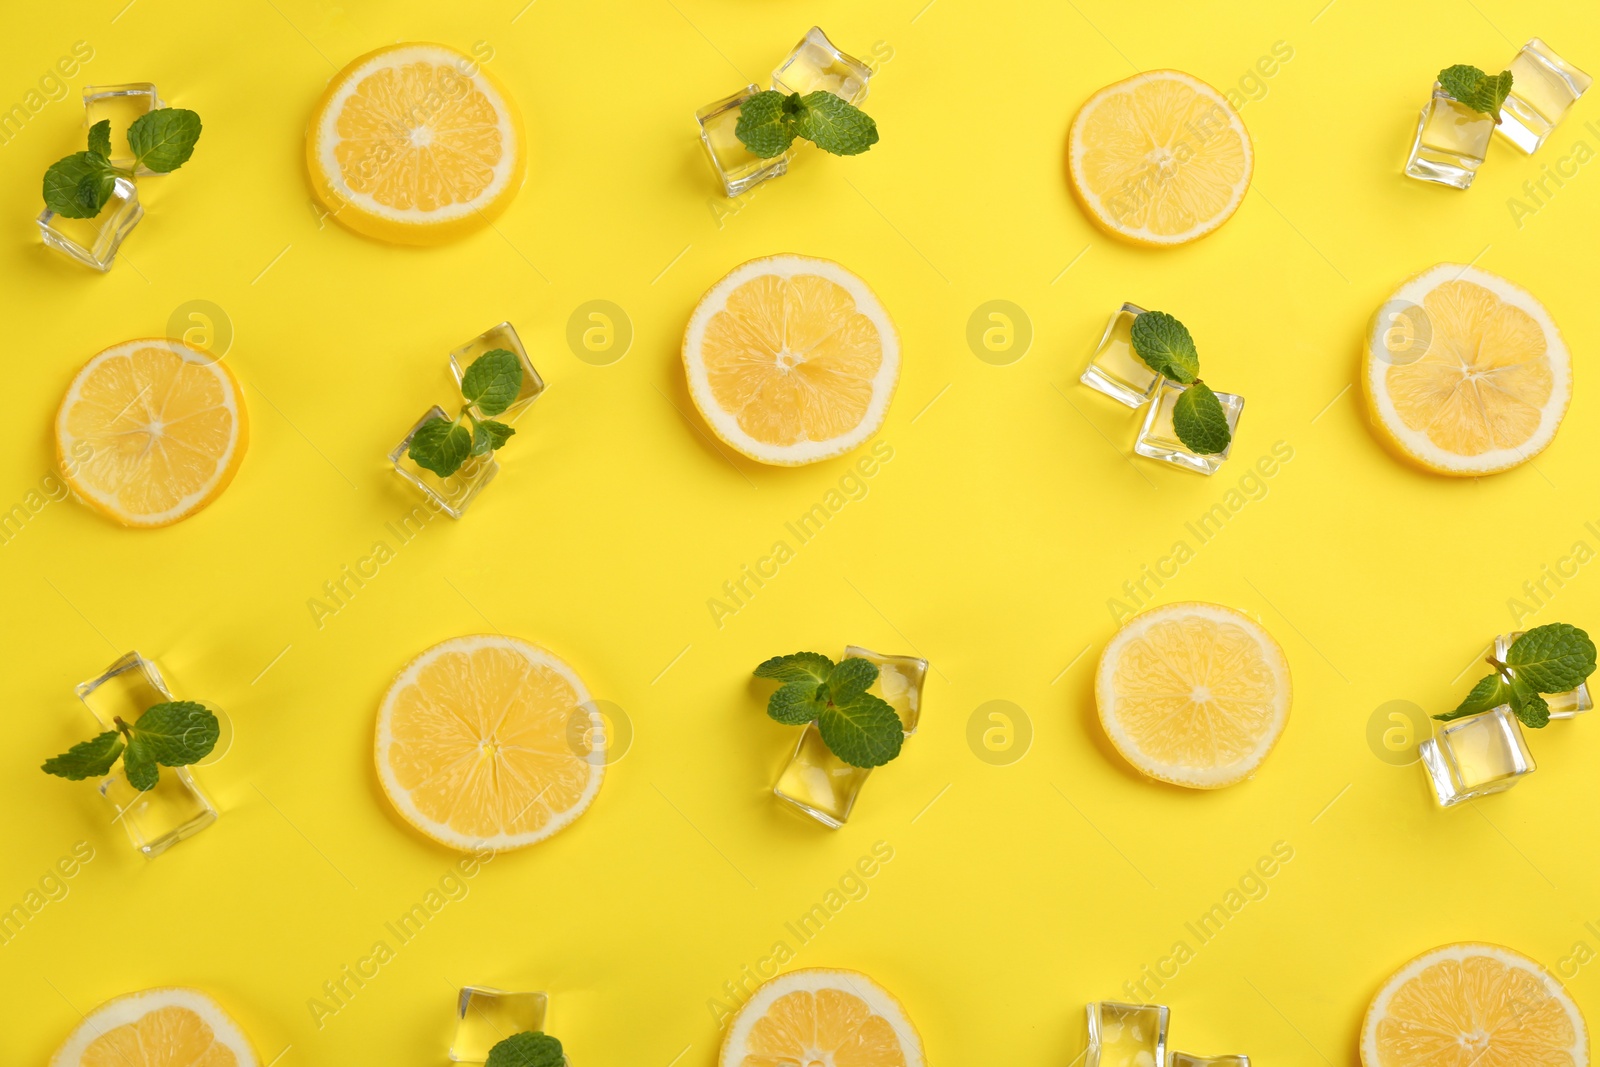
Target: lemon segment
(1193, 694)
(489, 742)
(819, 1016)
(1159, 159)
(151, 431)
(1470, 1005)
(1465, 373)
(791, 360)
(415, 144)
(157, 1028)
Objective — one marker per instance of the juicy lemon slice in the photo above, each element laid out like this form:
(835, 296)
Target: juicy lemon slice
(1193, 694)
(1465, 373)
(791, 360)
(151, 431)
(1159, 159)
(416, 144)
(156, 1028)
(1472, 1005)
(489, 742)
(841, 1018)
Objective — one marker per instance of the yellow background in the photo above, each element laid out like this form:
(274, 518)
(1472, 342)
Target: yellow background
(1008, 516)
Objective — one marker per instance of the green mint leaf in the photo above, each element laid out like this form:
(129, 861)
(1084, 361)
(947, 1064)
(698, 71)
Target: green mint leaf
(765, 127)
(164, 139)
(799, 667)
(796, 704)
(79, 186)
(1165, 346)
(441, 446)
(493, 381)
(177, 733)
(864, 733)
(100, 138)
(850, 679)
(139, 764)
(1475, 89)
(1529, 706)
(1200, 422)
(834, 124)
(86, 759)
(1552, 658)
(531, 1049)
(488, 435)
(1490, 692)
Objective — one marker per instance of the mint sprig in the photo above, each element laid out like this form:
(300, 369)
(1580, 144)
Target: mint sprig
(769, 122)
(1554, 658)
(861, 729)
(1166, 347)
(173, 734)
(1473, 88)
(529, 1049)
(78, 186)
(489, 386)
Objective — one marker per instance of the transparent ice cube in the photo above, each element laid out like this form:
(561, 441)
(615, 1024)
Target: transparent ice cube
(817, 64)
(1451, 141)
(451, 494)
(1159, 440)
(1476, 755)
(821, 784)
(1114, 369)
(94, 242)
(501, 336)
(1185, 1059)
(1543, 89)
(1562, 705)
(121, 105)
(739, 168)
(156, 819)
(1126, 1035)
(485, 1017)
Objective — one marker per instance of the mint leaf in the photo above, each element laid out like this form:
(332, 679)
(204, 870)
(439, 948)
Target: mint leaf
(164, 139)
(78, 186)
(1475, 89)
(531, 1049)
(1490, 692)
(488, 435)
(140, 765)
(100, 138)
(441, 446)
(834, 124)
(1199, 421)
(1552, 658)
(1529, 706)
(796, 704)
(798, 667)
(177, 733)
(864, 733)
(1165, 346)
(86, 759)
(493, 381)
(765, 126)
(850, 679)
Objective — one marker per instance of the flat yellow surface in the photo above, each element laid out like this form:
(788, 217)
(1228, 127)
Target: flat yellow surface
(991, 541)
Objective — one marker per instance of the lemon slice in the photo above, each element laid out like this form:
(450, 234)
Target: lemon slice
(791, 360)
(1193, 694)
(1159, 159)
(1465, 373)
(841, 1018)
(151, 431)
(415, 144)
(1473, 1004)
(488, 742)
(157, 1028)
